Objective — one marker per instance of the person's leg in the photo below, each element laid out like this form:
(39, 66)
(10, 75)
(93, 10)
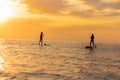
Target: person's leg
(90, 43)
(41, 42)
(93, 44)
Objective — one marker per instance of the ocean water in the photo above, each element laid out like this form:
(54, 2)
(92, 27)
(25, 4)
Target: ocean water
(26, 60)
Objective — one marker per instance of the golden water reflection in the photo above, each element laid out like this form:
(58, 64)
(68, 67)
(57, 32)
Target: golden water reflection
(1, 63)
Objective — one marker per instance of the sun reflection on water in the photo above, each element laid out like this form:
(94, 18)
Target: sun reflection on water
(1, 63)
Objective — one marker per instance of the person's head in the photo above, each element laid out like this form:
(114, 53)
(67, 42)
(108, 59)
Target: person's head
(41, 32)
(92, 34)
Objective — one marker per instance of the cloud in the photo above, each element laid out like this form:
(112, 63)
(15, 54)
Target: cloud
(77, 5)
(110, 12)
(110, 1)
(79, 8)
(99, 8)
(45, 6)
(55, 6)
(101, 4)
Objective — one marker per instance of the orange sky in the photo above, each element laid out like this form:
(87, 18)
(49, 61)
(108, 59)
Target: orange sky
(61, 19)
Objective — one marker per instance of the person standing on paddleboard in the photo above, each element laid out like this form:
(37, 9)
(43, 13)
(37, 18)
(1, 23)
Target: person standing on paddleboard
(41, 39)
(92, 40)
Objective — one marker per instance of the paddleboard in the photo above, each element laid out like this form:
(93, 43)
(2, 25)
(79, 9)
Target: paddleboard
(88, 47)
(46, 44)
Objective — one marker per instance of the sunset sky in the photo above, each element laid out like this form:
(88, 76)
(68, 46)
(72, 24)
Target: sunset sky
(68, 20)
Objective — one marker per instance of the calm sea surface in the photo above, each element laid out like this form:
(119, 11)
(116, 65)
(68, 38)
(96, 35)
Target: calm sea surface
(26, 60)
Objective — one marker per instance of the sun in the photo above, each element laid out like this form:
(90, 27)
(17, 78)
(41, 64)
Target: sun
(5, 9)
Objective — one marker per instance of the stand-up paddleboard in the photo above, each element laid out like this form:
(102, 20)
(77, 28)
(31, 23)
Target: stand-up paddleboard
(88, 47)
(46, 44)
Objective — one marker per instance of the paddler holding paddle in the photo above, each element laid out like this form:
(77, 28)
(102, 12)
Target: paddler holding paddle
(92, 41)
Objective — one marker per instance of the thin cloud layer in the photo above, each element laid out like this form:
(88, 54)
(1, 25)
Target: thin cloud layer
(45, 6)
(85, 8)
(101, 4)
(110, 1)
